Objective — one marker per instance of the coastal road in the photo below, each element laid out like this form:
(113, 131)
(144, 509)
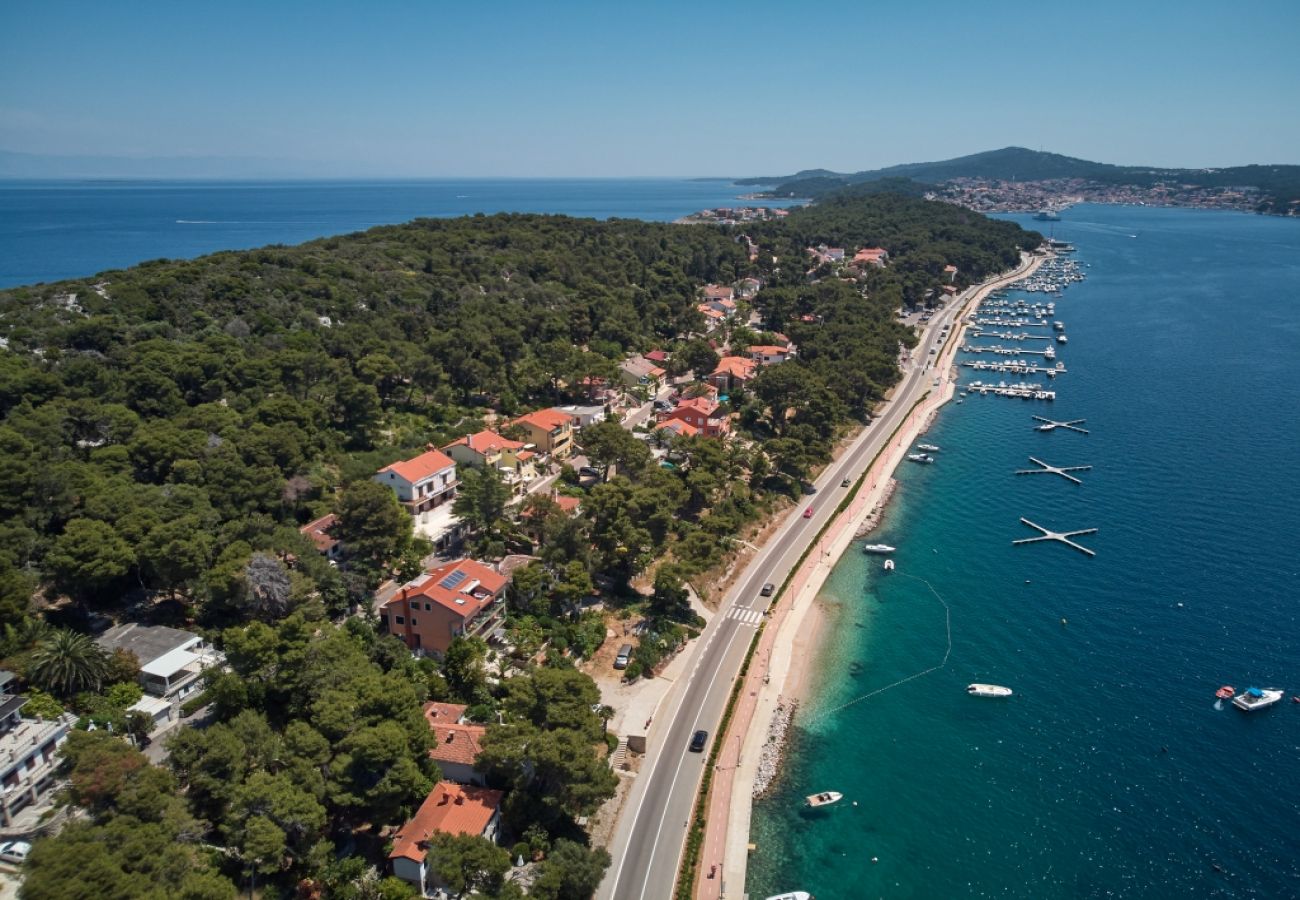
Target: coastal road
(648, 842)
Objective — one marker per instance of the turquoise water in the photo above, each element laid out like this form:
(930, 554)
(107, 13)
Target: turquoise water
(68, 229)
(1110, 773)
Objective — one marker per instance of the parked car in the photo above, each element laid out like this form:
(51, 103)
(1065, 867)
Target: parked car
(15, 852)
(698, 740)
(768, 589)
(624, 656)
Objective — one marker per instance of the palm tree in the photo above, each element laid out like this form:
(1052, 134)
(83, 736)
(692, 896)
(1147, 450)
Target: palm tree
(66, 662)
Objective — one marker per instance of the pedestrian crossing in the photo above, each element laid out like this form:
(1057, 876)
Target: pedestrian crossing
(745, 616)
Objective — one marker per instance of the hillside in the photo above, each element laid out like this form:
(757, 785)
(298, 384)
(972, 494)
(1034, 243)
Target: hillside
(1278, 186)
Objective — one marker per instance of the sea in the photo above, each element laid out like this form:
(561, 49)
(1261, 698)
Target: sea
(50, 230)
(1112, 771)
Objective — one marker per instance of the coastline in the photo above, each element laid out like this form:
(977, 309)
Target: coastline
(783, 669)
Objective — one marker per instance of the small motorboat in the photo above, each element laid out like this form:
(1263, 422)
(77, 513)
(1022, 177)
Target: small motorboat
(877, 548)
(988, 690)
(1255, 698)
(1225, 693)
(889, 565)
(928, 448)
(920, 458)
(825, 798)
(793, 895)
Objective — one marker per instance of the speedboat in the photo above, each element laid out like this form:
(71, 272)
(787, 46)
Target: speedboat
(878, 548)
(928, 448)
(988, 690)
(920, 458)
(793, 895)
(1225, 693)
(889, 565)
(825, 798)
(1255, 698)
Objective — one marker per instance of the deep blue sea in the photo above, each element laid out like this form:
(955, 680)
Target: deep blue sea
(51, 230)
(1110, 773)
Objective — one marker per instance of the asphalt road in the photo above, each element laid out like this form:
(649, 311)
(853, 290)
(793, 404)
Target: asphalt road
(651, 833)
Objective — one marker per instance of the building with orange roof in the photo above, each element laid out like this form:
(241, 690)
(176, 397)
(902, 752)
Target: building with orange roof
(451, 809)
(550, 431)
(318, 532)
(873, 256)
(456, 745)
(732, 372)
(700, 413)
(465, 597)
(769, 354)
(679, 427)
(421, 483)
(637, 370)
(712, 317)
(488, 450)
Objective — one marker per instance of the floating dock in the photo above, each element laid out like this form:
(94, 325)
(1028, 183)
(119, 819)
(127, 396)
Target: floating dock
(1059, 536)
(1045, 469)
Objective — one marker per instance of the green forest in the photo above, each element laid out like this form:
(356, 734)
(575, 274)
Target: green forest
(166, 429)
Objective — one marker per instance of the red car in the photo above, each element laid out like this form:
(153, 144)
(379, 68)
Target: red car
(807, 513)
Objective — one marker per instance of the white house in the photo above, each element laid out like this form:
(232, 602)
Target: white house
(172, 663)
(28, 749)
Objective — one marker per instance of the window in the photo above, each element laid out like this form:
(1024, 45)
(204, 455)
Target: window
(412, 620)
(399, 620)
(428, 607)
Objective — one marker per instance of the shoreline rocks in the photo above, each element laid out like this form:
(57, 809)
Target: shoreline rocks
(769, 760)
(871, 521)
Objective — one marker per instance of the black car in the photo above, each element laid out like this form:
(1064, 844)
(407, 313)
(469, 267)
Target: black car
(698, 740)
(768, 589)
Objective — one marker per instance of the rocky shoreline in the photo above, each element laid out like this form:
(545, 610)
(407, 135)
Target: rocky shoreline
(769, 760)
(873, 518)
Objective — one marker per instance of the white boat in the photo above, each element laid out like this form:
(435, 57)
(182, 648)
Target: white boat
(928, 448)
(920, 458)
(1059, 326)
(1062, 339)
(792, 895)
(877, 548)
(889, 565)
(1254, 698)
(988, 690)
(825, 798)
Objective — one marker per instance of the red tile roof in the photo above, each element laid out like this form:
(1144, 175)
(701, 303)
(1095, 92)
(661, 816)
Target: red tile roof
(440, 713)
(449, 809)
(486, 441)
(768, 350)
(421, 467)
(658, 356)
(457, 743)
(318, 531)
(547, 419)
(685, 429)
(464, 586)
(568, 504)
(736, 367)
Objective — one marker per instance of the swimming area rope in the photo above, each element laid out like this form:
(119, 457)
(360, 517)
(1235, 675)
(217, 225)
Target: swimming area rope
(947, 613)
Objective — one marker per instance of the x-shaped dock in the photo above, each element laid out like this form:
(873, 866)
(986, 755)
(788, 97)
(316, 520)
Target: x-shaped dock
(1050, 425)
(1062, 536)
(1063, 471)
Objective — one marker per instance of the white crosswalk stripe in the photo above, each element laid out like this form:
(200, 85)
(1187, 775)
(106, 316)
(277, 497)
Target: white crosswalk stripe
(745, 616)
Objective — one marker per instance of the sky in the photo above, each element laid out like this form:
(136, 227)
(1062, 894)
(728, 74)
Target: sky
(654, 88)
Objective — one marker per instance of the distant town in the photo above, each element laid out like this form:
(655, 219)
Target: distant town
(992, 195)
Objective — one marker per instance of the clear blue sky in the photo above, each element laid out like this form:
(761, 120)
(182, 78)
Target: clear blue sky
(650, 88)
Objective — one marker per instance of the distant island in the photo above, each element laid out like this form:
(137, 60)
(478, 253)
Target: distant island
(1015, 179)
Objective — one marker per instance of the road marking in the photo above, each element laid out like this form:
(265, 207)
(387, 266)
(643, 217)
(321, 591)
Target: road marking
(745, 615)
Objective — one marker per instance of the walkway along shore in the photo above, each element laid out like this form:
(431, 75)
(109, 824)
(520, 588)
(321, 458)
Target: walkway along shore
(782, 660)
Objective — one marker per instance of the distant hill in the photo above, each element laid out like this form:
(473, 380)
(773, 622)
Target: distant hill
(1279, 183)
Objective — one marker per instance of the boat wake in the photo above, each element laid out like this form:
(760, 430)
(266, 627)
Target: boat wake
(947, 617)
